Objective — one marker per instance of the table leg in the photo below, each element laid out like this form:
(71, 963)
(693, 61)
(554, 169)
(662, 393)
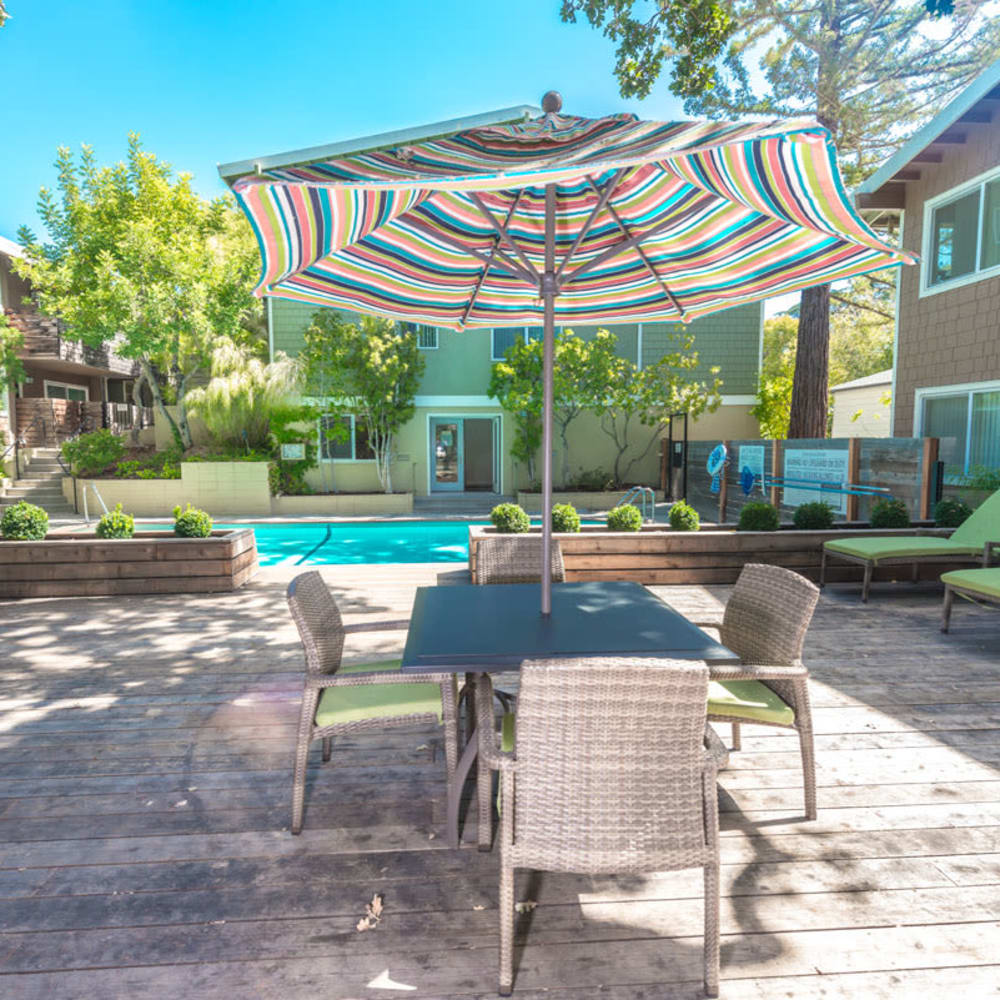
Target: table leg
(469, 754)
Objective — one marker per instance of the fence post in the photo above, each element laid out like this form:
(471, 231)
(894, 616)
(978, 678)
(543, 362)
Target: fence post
(853, 475)
(928, 477)
(664, 466)
(723, 486)
(777, 464)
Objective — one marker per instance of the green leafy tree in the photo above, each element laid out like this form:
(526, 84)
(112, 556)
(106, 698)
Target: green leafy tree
(4, 16)
(136, 257)
(861, 67)
(515, 383)
(11, 341)
(371, 369)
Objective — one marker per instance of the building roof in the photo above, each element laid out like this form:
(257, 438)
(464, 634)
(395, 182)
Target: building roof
(382, 140)
(10, 248)
(973, 107)
(879, 378)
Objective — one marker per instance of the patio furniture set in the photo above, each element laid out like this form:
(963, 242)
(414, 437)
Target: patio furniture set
(607, 765)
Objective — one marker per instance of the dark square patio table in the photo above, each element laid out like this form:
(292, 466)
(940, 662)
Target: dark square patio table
(474, 629)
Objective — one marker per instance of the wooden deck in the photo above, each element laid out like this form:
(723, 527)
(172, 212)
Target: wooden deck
(145, 757)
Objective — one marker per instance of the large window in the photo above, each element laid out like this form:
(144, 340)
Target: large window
(63, 390)
(505, 337)
(968, 424)
(963, 235)
(344, 439)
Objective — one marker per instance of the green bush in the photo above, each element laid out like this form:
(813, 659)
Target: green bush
(510, 519)
(758, 516)
(93, 452)
(115, 524)
(951, 512)
(191, 522)
(625, 518)
(890, 514)
(683, 517)
(591, 481)
(814, 516)
(565, 518)
(24, 522)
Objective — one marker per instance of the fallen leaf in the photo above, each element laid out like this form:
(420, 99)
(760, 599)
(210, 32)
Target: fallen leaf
(373, 914)
(526, 906)
(383, 981)
(479, 907)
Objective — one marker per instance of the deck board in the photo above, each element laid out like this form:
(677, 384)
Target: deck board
(145, 749)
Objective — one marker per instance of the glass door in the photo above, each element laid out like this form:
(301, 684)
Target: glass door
(447, 471)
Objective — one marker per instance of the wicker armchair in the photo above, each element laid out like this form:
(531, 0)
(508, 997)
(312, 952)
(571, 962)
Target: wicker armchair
(608, 776)
(338, 700)
(515, 559)
(765, 623)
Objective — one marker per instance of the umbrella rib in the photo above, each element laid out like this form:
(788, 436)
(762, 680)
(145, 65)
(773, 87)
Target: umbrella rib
(643, 256)
(604, 195)
(505, 264)
(505, 236)
(486, 270)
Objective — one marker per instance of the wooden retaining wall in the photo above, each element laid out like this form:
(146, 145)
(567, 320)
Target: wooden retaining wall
(152, 562)
(676, 557)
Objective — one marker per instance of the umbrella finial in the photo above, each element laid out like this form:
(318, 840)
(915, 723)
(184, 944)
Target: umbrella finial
(552, 102)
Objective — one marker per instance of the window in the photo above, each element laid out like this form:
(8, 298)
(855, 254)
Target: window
(427, 336)
(504, 338)
(968, 424)
(62, 390)
(344, 439)
(963, 235)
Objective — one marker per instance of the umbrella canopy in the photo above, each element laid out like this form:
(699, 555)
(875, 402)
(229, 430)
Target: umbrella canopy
(563, 220)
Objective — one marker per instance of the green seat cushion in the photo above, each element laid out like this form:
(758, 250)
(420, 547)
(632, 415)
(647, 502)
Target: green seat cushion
(363, 702)
(982, 525)
(902, 547)
(507, 732)
(748, 700)
(984, 581)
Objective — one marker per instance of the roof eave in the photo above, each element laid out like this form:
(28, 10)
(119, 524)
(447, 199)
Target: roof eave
(368, 143)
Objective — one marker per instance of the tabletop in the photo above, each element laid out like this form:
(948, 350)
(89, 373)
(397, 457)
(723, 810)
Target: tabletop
(471, 628)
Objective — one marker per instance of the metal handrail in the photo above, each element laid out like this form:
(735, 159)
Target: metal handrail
(645, 494)
(18, 443)
(100, 499)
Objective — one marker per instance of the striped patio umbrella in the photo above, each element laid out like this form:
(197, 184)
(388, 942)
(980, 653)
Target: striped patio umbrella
(563, 220)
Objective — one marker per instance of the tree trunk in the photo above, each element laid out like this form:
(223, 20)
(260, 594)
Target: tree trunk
(154, 388)
(133, 438)
(810, 390)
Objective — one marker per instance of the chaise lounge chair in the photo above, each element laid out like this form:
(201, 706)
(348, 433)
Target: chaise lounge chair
(973, 541)
(978, 585)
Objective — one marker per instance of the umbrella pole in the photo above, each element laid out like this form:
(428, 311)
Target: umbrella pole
(548, 352)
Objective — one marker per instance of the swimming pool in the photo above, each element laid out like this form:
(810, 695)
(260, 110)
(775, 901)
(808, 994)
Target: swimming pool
(318, 543)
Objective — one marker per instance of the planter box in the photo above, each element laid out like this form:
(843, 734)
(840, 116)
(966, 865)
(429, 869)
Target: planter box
(532, 502)
(344, 504)
(152, 562)
(658, 556)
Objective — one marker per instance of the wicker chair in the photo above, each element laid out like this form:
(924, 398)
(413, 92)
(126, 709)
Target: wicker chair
(608, 776)
(515, 559)
(765, 624)
(338, 700)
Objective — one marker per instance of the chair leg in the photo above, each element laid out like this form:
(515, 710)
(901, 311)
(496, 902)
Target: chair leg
(306, 715)
(803, 723)
(949, 598)
(327, 748)
(449, 715)
(712, 929)
(737, 742)
(506, 928)
(822, 569)
(866, 586)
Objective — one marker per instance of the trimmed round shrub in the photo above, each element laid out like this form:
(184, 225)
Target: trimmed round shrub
(683, 517)
(191, 522)
(24, 522)
(951, 512)
(890, 514)
(510, 519)
(758, 516)
(565, 518)
(814, 516)
(93, 452)
(115, 524)
(628, 517)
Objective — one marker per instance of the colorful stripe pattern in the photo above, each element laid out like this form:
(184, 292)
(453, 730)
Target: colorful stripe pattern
(706, 215)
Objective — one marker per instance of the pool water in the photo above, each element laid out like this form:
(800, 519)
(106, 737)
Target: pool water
(319, 543)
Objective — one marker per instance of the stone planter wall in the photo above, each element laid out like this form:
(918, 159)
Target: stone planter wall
(152, 562)
(658, 556)
(532, 502)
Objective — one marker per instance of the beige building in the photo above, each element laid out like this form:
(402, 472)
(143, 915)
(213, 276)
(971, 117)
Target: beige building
(861, 407)
(945, 185)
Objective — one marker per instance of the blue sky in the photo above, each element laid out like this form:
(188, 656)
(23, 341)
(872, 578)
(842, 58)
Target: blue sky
(216, 81)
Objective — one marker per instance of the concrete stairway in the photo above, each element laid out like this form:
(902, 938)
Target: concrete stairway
(41, 484)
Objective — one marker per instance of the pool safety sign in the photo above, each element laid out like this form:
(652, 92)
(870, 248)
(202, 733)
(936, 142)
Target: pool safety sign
(827, 466)
(716, 466)
(751, 462)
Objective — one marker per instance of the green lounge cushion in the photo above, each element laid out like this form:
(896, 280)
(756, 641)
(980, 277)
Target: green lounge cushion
(983, 581)
(901, 547)
(982, 525)
(748, 700)
(362, 702)
(507, 732)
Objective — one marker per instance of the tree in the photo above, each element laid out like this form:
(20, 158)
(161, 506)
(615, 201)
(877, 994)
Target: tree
(138, 259)
(3, 13)
(861, 67)
(11, 341)
(516, 383)
(372, 370)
